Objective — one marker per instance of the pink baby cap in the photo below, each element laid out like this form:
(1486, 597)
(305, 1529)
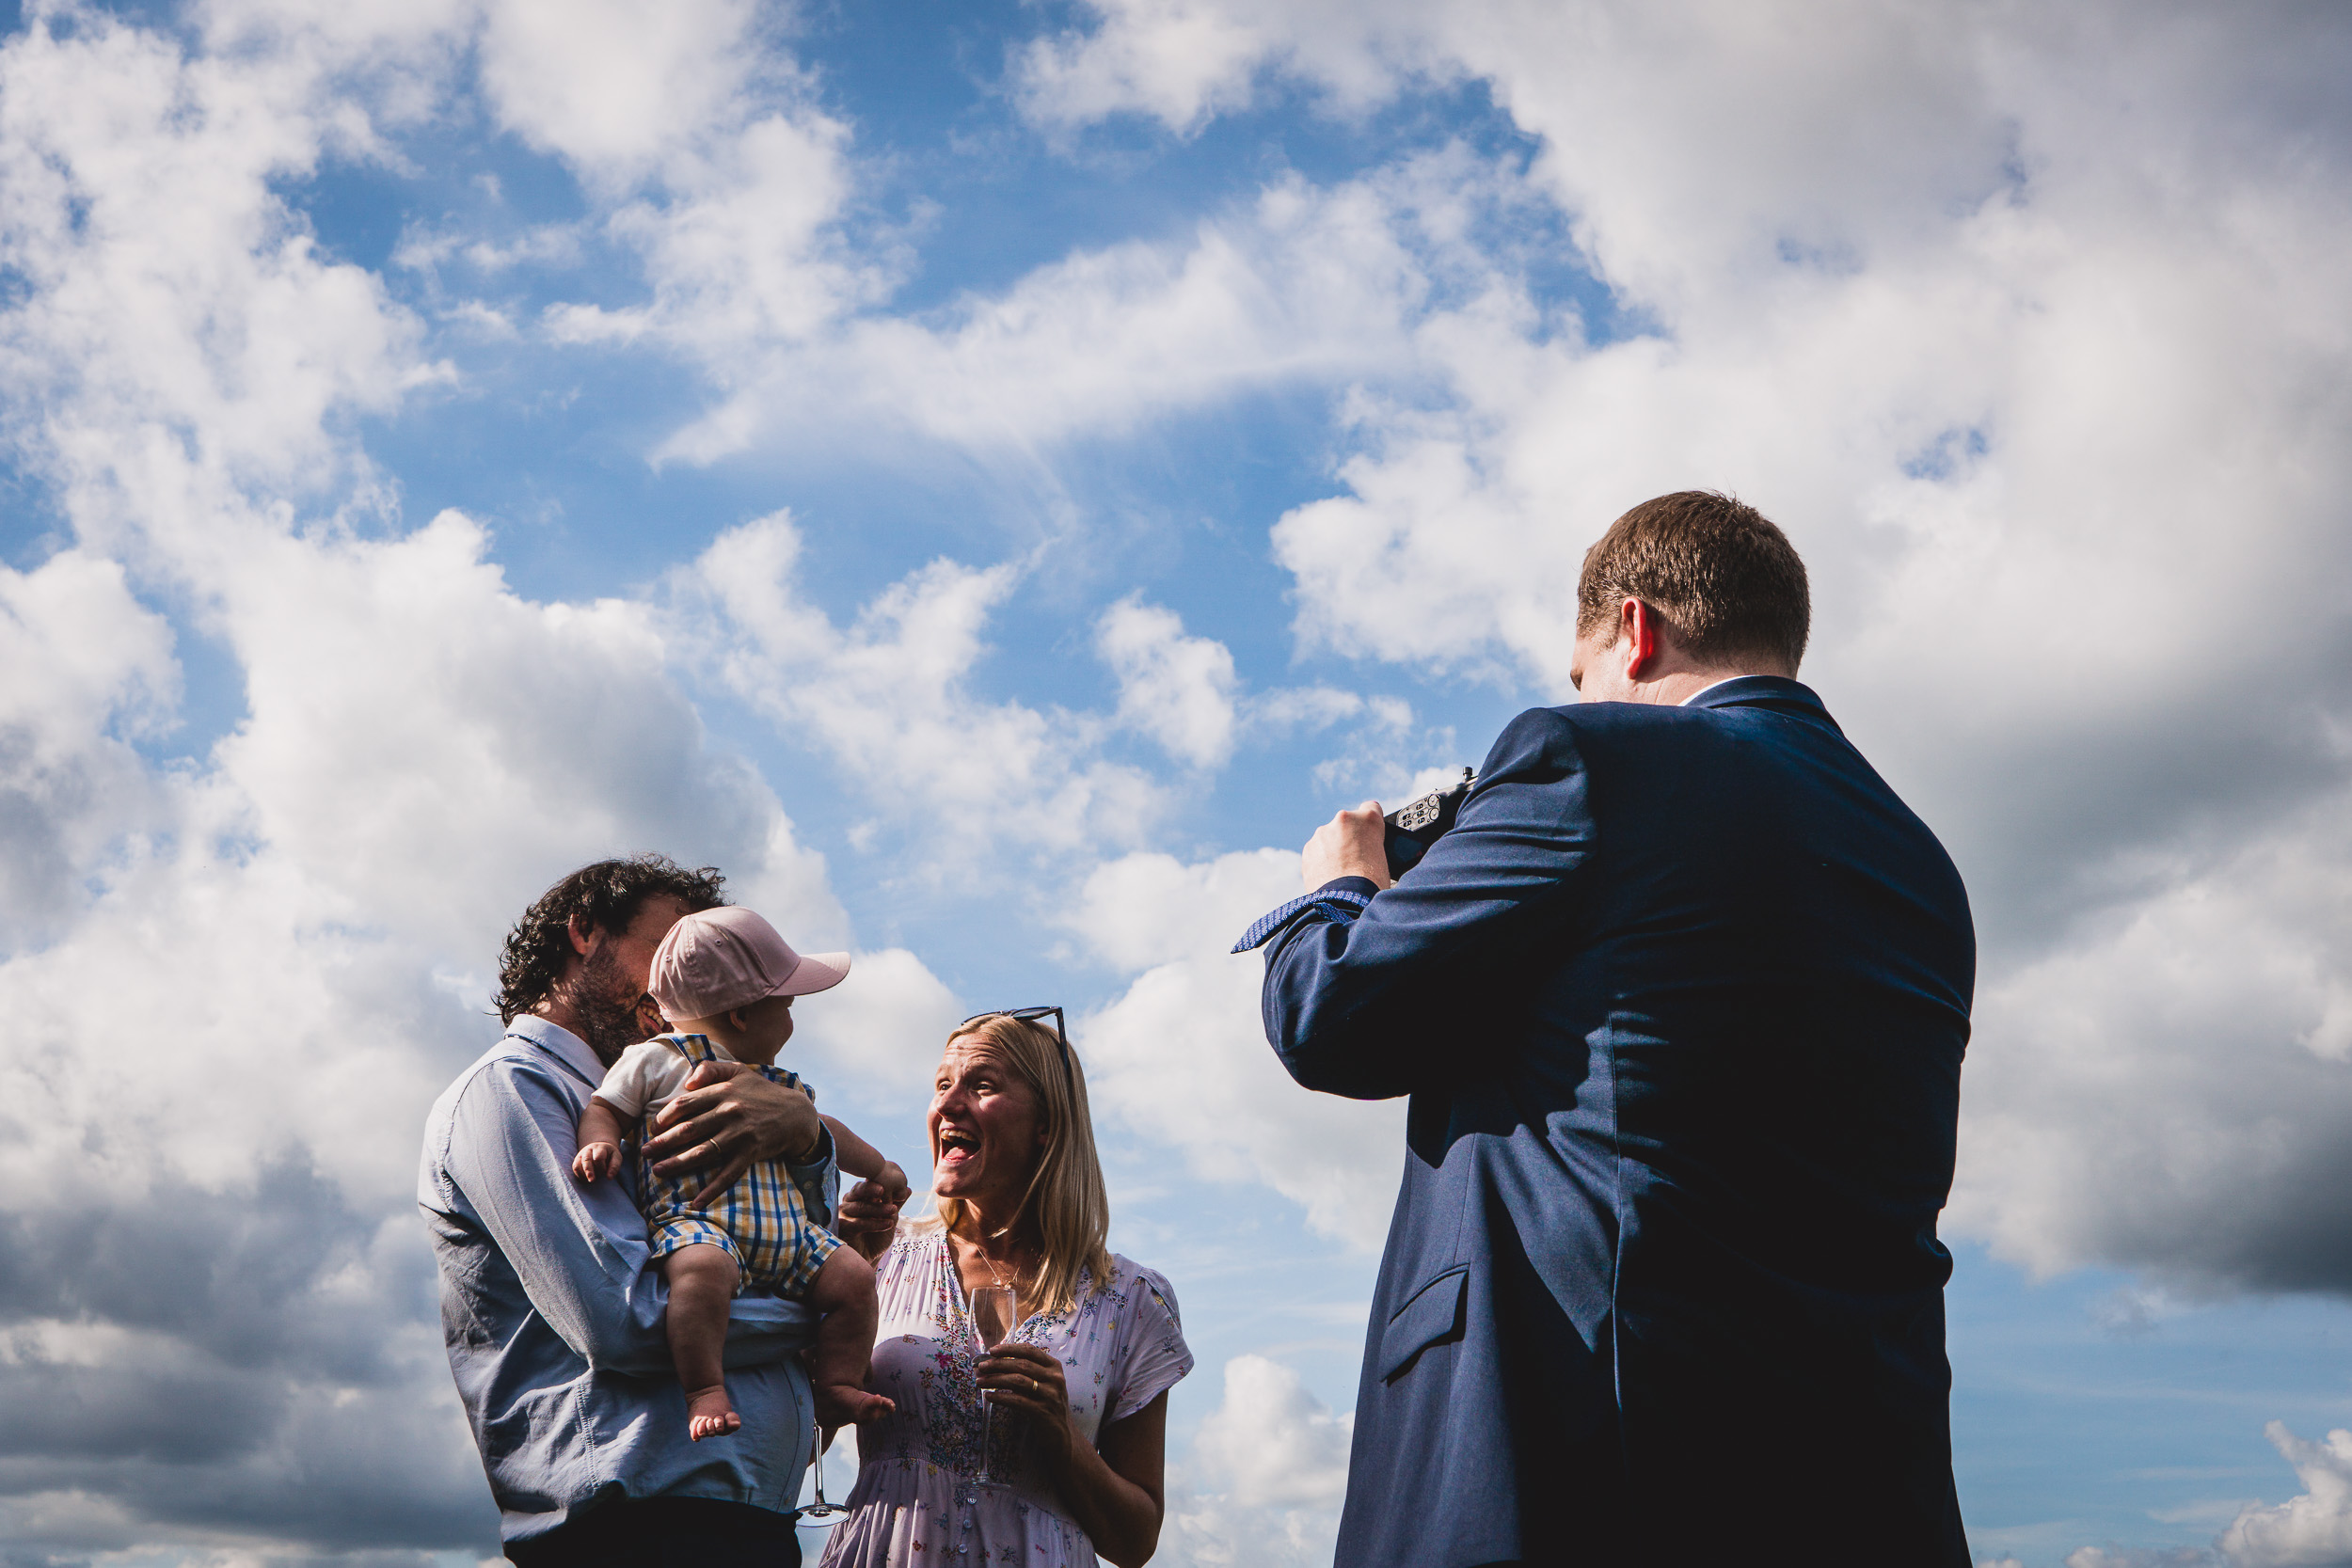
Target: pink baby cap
(717, 961)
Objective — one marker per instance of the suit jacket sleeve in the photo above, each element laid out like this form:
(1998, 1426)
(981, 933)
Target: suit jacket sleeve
(1350, 1004)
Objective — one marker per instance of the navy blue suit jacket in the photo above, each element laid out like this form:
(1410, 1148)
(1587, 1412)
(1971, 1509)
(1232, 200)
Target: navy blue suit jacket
(1680, 1003)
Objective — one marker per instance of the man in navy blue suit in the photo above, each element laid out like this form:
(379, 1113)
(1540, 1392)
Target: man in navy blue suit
(1681, 1003)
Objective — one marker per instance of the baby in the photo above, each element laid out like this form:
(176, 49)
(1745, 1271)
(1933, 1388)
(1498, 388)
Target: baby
(725, 981)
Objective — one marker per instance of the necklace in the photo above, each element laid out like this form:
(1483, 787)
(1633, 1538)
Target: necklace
(995, 1272)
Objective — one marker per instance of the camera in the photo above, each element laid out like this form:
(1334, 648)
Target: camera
(1416, 825)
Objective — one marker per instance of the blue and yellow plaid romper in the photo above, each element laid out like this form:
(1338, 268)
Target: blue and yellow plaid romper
(762, 1220)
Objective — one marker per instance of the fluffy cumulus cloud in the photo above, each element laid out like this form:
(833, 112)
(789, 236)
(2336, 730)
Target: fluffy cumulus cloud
(2309, 1531)
(1177, 690)
(1181, 691)
(1263, 1481)
(92, 669)
(1302, 285)
(1182, 1054)
(2312, 1529)
(890, 698)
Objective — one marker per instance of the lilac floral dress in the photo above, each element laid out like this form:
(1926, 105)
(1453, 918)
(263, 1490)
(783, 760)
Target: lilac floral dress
(913, 1506)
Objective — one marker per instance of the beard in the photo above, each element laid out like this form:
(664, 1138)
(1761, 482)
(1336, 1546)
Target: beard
(608, 1024)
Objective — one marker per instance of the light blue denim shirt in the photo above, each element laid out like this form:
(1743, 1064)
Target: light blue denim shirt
(554, 1320)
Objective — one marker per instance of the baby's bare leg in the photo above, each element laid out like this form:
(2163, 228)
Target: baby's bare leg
(702, 1282)
(844, 1292)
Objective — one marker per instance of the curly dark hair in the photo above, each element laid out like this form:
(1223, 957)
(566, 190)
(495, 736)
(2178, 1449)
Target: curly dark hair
(606, 896)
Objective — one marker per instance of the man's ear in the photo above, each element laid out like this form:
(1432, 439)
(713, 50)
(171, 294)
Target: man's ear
(1638, 626)
(583, 934)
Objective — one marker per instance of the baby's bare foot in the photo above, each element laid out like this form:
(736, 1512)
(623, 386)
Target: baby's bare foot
(846, 1403)
(709, 1412)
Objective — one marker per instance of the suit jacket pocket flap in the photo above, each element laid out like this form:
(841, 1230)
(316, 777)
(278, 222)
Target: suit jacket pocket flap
(1433, 1315)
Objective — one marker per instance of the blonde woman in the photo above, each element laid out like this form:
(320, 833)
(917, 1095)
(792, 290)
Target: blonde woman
(1078, 1392)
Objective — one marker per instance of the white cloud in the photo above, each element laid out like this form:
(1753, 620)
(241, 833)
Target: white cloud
(1302, 286)
(888, 698)
(2313, 1530)
(2310, 1530)
(90, 667)
(1177, 690)
(616, 89)
(1181, 691)
(168, 291)
(1173, 59)
(1182, 1055)
(1265, 1478)
(1182, 61)
(1271, 1442)
(879, 1031)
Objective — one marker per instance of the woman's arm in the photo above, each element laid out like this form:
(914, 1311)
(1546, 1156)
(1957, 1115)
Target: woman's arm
(1115, 1487)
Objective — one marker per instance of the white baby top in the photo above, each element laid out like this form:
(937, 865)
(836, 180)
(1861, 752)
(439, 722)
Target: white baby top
(649, 1075)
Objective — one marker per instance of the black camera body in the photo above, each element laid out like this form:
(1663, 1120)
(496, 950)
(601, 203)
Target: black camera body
(1416, 825)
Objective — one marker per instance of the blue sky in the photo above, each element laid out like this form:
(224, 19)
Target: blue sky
(992, 478)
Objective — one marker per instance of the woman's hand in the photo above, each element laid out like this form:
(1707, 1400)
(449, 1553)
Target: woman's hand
(867, 1215)
(1114, 1488)
(1029, 1380)
(727, 1116)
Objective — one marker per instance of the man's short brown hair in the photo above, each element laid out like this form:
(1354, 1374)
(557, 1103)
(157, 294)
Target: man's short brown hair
(1727, 583)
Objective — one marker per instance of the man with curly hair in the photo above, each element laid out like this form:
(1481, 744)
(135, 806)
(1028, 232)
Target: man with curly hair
(550, 1308)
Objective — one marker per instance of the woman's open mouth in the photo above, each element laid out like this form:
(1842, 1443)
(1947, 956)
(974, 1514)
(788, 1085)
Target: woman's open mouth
(957, 1147)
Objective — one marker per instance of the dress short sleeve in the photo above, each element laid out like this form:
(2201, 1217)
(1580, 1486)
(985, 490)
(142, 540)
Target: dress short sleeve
(1157, 1357)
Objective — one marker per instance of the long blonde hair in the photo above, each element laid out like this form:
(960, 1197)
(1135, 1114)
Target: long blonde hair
(1072, 1207)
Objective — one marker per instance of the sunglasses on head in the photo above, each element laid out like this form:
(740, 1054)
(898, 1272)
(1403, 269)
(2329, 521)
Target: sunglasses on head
(1033, 1015)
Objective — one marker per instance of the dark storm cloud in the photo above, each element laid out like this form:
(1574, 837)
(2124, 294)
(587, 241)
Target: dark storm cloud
(262, 1360)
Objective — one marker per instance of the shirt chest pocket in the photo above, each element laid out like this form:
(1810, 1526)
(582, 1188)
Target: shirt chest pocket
(1431, 1316)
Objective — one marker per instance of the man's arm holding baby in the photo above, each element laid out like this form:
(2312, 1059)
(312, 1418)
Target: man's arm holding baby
(578, 1248)
(727, 1119)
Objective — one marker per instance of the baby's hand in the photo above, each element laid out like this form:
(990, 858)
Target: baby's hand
(596, 1160)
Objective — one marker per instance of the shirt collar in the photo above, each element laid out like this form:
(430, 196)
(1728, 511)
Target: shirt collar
(1771, 694)
(560, 1043)
(1705, 689)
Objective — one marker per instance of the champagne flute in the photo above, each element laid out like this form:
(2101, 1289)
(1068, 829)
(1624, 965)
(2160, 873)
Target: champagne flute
(992, 1323)
(820, 1514)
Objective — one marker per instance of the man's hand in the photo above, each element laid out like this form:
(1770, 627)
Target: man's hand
(868, 1216)
(726, 1118)
(596, 1160)
(1353, 843)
